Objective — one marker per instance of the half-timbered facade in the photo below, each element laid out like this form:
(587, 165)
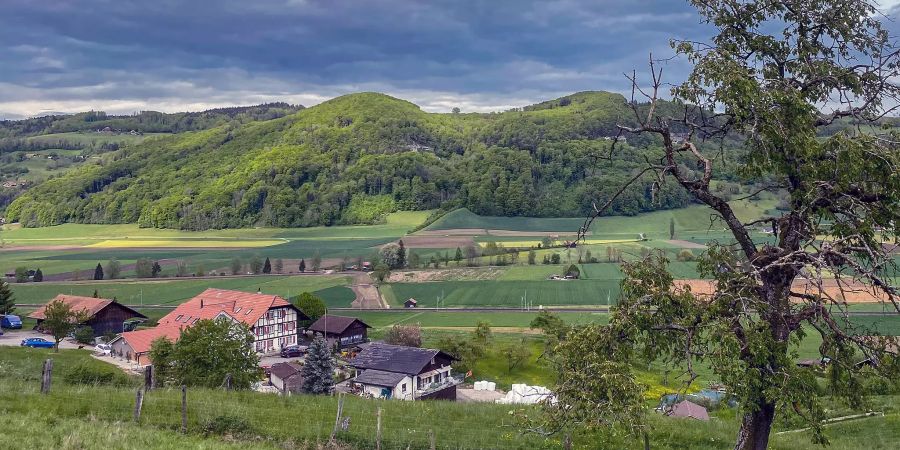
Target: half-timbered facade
(272, 319)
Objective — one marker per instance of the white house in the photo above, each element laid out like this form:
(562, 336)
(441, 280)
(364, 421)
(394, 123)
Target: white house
(407, 373)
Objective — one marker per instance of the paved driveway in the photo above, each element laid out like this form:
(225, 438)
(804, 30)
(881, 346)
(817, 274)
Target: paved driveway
(14, 338)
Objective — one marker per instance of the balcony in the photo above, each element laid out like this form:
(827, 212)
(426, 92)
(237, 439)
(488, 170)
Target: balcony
(430, 388)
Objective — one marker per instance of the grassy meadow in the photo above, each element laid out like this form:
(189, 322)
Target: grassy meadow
(76, 415)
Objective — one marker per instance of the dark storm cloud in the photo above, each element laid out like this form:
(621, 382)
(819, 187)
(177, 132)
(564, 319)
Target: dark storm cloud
(126, 56)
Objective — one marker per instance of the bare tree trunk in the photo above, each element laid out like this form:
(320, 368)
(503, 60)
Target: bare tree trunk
(755, 428)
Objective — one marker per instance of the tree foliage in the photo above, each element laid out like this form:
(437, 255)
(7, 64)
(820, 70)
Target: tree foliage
(393, 156)
(318, 368)
(775, 75)
(210, 350)
(60, 320)
(406, 335)
(311, 305)
(7, 298)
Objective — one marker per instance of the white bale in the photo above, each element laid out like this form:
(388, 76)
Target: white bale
(490, 386)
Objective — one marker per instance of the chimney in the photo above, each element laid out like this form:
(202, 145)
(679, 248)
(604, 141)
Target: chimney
(258, 291)
(201, 302)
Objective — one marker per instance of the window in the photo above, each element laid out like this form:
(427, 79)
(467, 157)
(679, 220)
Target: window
(178, 319)
(237, 310)
(403, 387)
(248, 311)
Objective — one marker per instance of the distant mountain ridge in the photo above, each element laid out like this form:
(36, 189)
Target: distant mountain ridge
(353, 159)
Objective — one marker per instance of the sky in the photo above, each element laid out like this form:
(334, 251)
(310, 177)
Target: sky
(479, 55)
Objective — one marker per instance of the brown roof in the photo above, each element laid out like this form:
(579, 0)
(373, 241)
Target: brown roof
(242, 306)
(141, 340)
(90, 305)
(334, 324)
(690, 409)
(284, 370)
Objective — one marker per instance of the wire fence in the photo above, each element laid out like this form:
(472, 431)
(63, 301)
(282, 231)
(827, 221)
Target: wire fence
(293, 421)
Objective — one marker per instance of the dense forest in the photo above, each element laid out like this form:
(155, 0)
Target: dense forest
(144, 122)
(354, 158)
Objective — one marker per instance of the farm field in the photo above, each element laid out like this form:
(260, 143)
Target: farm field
(504, 293)
(174, 291)
(448, 319)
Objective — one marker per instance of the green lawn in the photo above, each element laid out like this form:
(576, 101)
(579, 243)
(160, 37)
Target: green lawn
(449, 319)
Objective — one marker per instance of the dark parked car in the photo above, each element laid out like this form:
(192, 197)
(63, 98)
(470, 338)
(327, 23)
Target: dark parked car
(293, 351)
(37, 343)
(11, 321)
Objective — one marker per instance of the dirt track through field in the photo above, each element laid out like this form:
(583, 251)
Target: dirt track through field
(685, 244)
(367, 294)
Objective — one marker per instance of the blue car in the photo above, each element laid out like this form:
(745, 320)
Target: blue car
(37, 343)
(11, 321)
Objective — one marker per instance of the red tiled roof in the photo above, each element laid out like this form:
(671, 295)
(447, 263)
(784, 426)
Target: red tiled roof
(90, 305)
(140, 340)
(242, 306)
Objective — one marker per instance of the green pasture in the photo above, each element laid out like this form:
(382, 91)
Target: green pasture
(505, 293)
(459, 319)
(172, 291)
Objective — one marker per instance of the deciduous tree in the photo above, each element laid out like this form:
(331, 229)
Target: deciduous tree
(60, 320)
(774, 75)
(210, 350)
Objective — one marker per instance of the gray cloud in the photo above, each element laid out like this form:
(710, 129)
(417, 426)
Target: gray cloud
(123, 56)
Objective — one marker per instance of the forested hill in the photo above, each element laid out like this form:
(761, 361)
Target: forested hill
(356, 157)
(144, 122)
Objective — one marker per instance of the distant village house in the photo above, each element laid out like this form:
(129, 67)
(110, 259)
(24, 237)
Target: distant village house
(406, 373)
(340, 331)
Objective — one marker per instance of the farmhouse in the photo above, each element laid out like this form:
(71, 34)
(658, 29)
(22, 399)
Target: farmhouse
(286, 377)
(407, 373)
(135, 345)
(104, 316)
(272, 319)
(341, 331)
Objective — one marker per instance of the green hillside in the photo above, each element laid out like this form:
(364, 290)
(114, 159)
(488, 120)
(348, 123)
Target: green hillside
(353, 159)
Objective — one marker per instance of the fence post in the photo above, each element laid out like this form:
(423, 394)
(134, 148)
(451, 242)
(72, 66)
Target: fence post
(138, 403)
(46, 376)
(228, 382)
(567, 443)
(431, 439)
(148, 377)
(183, 408)
(337, 419)
(378, 429)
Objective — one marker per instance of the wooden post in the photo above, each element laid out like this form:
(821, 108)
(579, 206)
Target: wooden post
(228, 382)
(138, 403)
(378, 430)
(431, 440)
(46, 376)
(567, 443)
(183, 409)
(337, 419)
(148, 378)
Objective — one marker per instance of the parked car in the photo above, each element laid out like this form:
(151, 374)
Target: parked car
(103, 349)
(37, 343)
(293, 351)
(11, 321)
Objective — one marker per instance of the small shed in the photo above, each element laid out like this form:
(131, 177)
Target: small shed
(286, 378)
(689, 409)
(411, 303)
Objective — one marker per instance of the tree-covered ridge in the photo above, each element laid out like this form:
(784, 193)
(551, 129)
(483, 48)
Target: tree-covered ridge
(145, 121)
(353, 159)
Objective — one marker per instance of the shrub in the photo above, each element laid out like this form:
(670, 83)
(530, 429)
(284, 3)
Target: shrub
(685, 255)
(225, 425)
(91, 374)
(84, 335)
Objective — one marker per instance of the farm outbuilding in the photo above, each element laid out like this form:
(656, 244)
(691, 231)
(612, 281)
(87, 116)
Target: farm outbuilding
(411, 303)
(104, 316)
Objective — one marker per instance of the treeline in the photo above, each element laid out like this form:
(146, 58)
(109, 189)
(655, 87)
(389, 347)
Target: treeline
(10, 145)
(145, 121)
(354, 159)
